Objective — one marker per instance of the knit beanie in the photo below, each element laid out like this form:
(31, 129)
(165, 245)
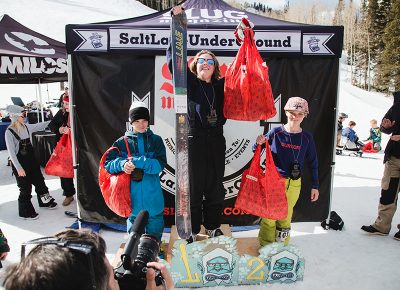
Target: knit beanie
(138, 111)
(14, 111)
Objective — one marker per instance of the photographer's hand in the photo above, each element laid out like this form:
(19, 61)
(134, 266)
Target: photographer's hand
(151, 275)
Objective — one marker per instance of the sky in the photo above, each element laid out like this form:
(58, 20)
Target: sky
(348, 259)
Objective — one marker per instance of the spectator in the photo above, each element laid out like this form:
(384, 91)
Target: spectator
(375, 135)
(4, 248)
(72, 259)
(24, 165)
(64, 94)
(350, 139)
(60, 125)
(390, 181)
(342, 117)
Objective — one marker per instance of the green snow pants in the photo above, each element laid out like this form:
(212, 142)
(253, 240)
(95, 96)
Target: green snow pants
(272, 230)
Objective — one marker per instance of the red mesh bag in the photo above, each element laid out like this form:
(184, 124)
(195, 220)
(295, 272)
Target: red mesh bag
(248, 92)
(262, 195)
(116, 187)
(60, 161)
(251, 196)
(275, 200)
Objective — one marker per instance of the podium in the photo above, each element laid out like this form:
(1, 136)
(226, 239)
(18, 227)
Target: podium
(228, 261)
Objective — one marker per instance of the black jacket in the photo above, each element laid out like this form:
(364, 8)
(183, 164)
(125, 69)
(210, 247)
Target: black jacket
(393, 147)
(59, 120)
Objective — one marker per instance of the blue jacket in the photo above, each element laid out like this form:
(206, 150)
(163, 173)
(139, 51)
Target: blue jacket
(350, 134)
(148, 153)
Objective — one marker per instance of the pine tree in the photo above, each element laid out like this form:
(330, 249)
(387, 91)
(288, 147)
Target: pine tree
(381, 22)
(391, 51)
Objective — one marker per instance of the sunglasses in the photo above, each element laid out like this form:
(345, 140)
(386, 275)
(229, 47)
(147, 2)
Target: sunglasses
(83, 248)
(202, 60)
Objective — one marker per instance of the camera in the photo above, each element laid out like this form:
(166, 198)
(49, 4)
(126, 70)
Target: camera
(139, 250)
(137, 174)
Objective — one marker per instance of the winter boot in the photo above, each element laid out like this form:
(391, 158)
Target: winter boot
(67, 201)
(46, 201)
(373, 231)
(214, 233)
(192, 238)
(27, 211)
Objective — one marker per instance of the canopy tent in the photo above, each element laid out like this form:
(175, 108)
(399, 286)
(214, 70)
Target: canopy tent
(116, 62)
(28, 57)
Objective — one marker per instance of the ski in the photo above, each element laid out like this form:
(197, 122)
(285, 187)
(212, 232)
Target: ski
(179, 67)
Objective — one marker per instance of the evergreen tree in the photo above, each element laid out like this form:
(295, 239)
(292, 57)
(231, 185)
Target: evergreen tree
(381, 22)
(391, 52)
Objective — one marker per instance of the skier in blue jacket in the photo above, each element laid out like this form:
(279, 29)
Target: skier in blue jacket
(148, 160)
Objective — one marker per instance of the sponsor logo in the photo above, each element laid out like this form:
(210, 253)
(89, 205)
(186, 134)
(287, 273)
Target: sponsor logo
(32, 65)
(316, 43)
(284, 40)
(196, 15)
(92, 39)
(29, 43)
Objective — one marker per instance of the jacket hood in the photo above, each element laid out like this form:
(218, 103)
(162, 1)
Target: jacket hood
(131, 133)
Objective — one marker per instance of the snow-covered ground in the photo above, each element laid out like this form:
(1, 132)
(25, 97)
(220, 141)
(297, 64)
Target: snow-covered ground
(349, 259)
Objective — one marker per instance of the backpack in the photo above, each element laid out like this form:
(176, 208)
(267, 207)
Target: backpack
(335, 222)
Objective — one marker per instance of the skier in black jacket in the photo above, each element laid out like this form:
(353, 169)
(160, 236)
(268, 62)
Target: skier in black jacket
(60, 125)
(391, 176)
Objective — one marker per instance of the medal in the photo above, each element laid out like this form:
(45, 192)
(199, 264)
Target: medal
(295, 171)
(212, 118)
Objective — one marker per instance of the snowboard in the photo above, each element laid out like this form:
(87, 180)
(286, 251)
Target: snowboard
(179, 68)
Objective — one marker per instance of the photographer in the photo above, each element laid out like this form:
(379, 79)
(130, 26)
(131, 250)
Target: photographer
(72, 259)
(147, 161)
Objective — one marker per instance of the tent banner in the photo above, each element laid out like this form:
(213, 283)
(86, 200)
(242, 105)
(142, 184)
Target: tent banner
(276, 41)
(105, 86)
(14, 66)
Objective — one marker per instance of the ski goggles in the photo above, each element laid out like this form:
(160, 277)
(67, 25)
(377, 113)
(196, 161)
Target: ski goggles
(202, 60)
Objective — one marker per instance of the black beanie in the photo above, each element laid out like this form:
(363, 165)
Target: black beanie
(138, 111)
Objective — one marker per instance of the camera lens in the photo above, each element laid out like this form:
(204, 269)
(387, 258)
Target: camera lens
(148, 249)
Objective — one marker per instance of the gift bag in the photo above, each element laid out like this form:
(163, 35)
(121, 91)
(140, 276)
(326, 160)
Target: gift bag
(251, 196)
(116, 187)
(247, 92)
(275, 199)
(60, 162)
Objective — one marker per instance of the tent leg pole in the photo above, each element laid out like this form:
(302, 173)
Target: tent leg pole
(72, 124)
(40, 101)
(334, 144)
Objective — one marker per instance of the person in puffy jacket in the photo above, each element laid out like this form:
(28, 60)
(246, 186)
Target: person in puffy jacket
(148, 160)
(350, 139)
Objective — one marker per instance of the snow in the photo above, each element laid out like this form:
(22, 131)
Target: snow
(348, 259)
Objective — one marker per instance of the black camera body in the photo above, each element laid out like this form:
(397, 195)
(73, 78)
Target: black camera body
(139, 250)
(137, 174)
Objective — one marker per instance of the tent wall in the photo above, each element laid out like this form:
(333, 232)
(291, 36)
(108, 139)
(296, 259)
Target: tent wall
(104, 86)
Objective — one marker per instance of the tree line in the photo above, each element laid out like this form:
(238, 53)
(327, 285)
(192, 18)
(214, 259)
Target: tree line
(371, 34)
